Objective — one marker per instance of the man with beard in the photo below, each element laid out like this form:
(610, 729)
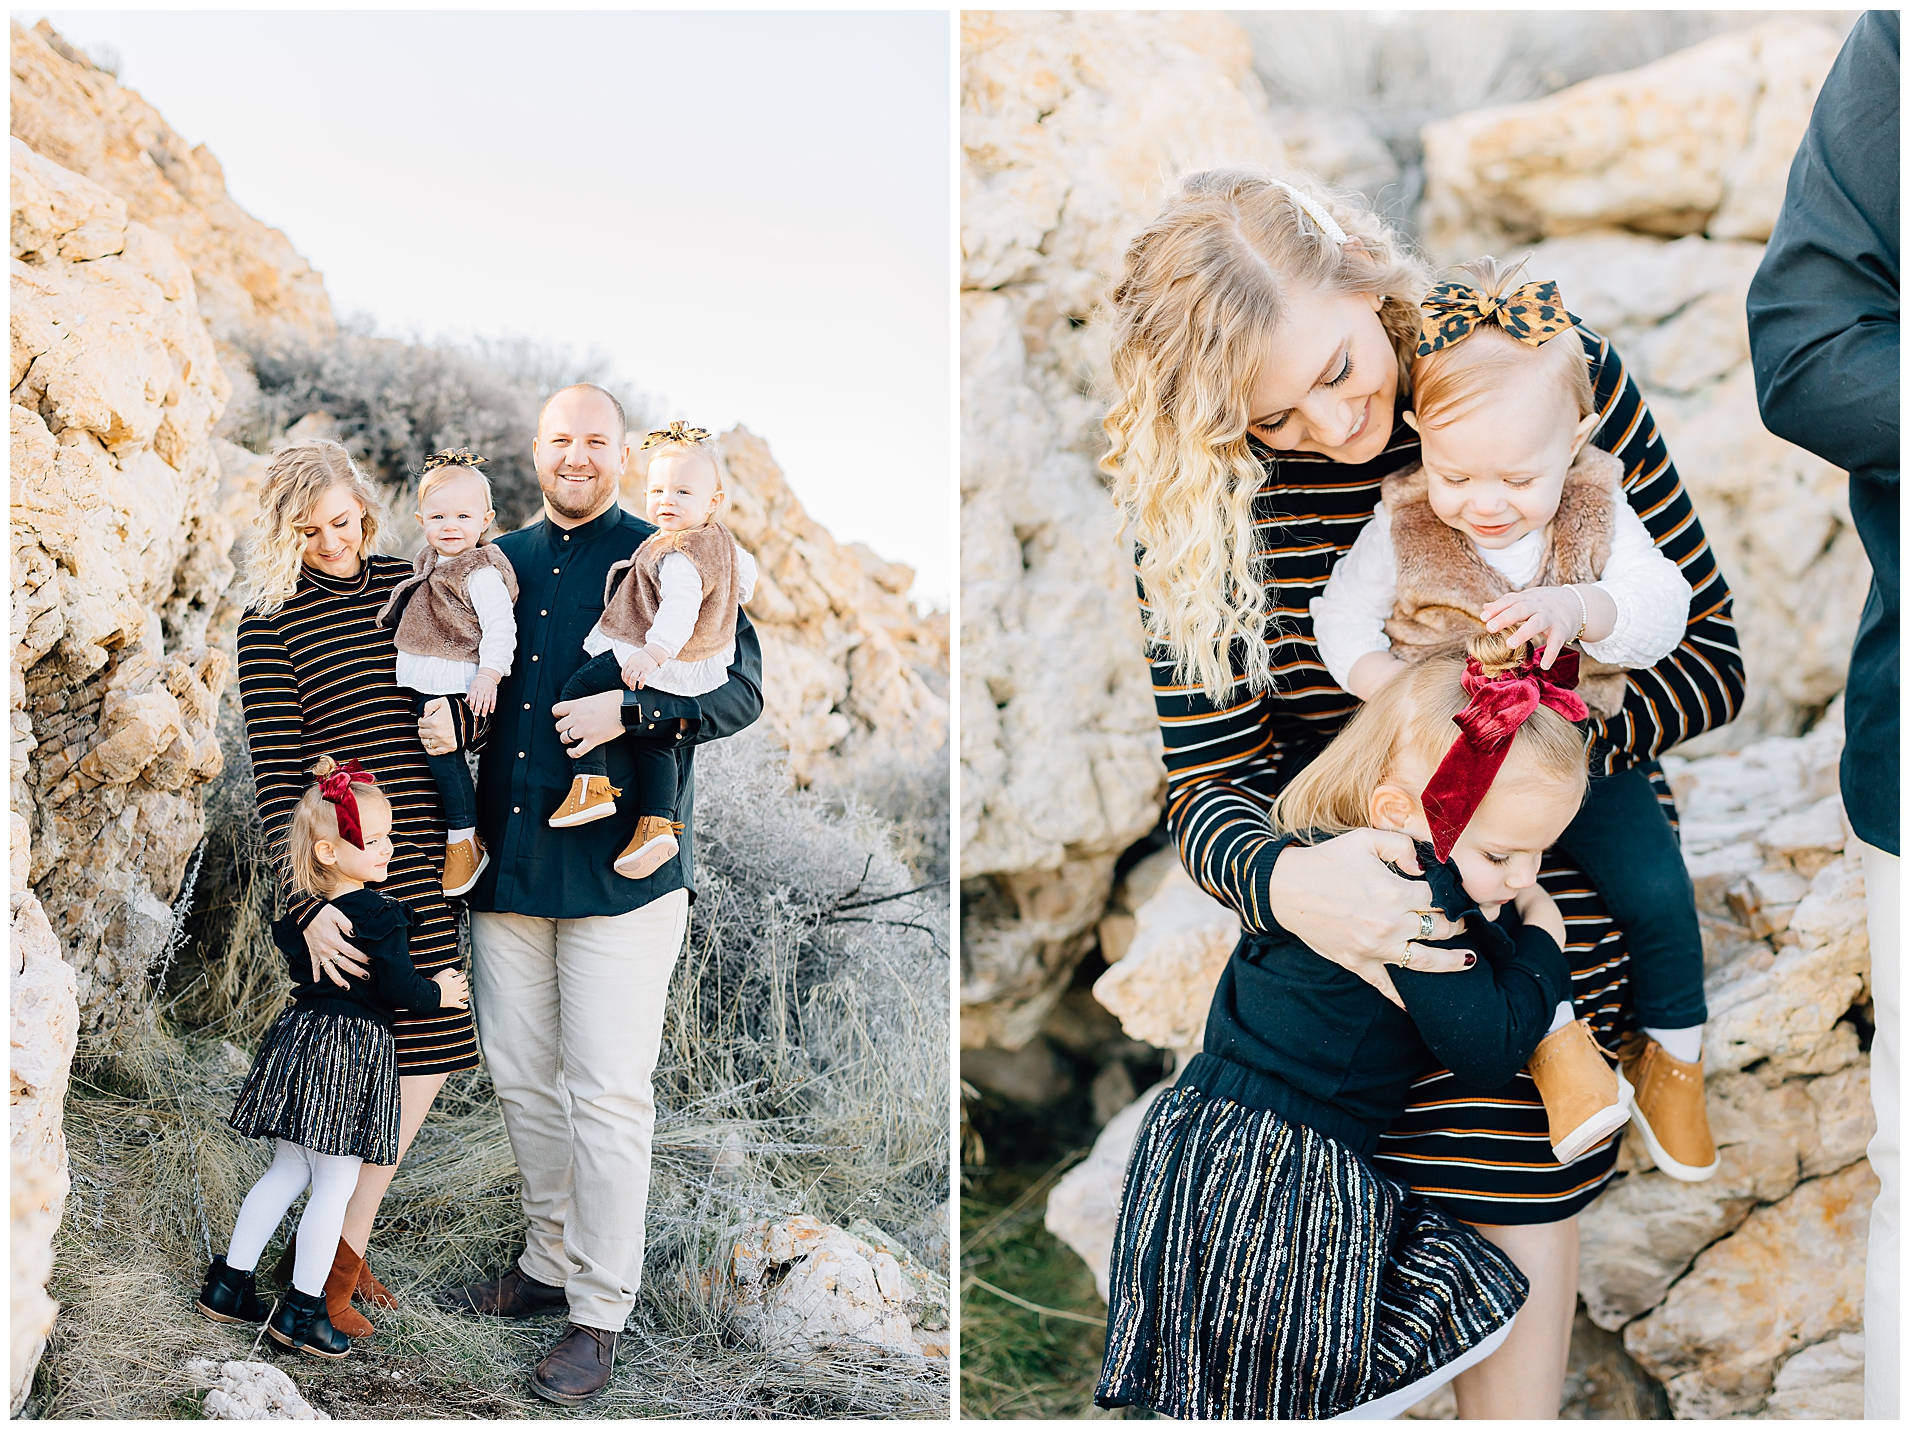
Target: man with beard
(572, 961)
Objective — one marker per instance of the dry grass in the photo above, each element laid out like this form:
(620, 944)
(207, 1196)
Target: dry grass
(804, 1070)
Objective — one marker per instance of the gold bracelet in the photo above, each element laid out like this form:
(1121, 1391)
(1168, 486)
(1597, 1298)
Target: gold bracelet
(1584, 613)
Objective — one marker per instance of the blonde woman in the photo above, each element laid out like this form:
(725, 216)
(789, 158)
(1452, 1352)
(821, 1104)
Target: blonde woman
(317, 676)
(1261, 337)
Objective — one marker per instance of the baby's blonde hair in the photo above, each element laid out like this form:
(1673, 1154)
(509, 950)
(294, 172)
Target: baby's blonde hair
(1453, 381)
(1203, 290)
(315, 818)
(295, 479)
(1408, 723)
(439, 475)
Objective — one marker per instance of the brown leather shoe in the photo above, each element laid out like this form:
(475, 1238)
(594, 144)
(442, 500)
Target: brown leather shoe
(370, 1289)
(591, 797)
(578, 1367)
(512, 1294)
(338, 1292)
(463, 862)
(1585, 1099)
(1670, 1109)
(650, 848)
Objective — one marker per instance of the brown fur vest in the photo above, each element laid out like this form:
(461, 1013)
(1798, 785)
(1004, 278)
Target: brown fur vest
(433, 614)
(1444, 583)
(630, 607)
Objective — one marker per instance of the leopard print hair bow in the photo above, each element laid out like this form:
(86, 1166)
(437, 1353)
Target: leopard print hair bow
(1533, 314)
(452, 457)
(675, 432)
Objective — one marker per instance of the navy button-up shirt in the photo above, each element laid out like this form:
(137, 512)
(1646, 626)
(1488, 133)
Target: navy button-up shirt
(523, 769)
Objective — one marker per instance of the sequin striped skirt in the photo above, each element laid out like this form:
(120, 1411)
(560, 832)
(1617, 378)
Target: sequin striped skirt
(1262, 1270)
(327, 1082)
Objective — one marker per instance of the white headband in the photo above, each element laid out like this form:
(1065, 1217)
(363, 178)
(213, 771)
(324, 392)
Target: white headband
(1319, 215)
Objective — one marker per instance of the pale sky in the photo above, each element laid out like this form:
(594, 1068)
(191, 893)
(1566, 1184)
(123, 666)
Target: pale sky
(748, 212)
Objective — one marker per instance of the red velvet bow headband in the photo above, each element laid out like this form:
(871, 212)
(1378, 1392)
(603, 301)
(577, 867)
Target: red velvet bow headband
(334, 787)
(1500, 704)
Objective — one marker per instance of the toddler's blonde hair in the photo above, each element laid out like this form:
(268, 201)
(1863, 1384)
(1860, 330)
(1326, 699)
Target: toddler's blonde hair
(1453, 381)
(315, 818)
(1409, 721)
(439, 475)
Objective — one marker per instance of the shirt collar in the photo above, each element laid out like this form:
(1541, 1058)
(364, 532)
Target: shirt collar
(590, 530)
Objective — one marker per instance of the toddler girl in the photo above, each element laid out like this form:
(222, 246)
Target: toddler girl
(669, 623)
(1513, 522)
(325, 1082)
(456, 634)
(1261, 1268)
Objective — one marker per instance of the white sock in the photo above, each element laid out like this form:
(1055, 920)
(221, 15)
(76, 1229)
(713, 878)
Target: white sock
(458, 836)
(1561, 1015)
(334, 1179)
(1684, 1044)
(266, 1204)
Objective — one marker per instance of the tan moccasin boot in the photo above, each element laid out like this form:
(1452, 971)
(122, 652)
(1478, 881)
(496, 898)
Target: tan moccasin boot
(463, 862)
(650, 848)
(1585, 1098)
(1669, 1109)
(590, 798)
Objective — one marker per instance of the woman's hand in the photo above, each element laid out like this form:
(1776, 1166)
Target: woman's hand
(589, 721)
(435, 731)
(325, 940)
(1345, 904)
(453, 991)
(482, 696)
(1536, 908)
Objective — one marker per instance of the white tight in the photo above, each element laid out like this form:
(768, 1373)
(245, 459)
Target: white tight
(293, 1169)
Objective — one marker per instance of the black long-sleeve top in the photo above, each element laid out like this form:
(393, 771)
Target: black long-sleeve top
(381, 930)
(524, 768)
(1825, 323)
(1293, 1033)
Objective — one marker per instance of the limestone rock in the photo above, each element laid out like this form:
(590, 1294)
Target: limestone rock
(1699, 142)
(1792, 1276)
(81, 118)
(850, 669)
(30, 1236)
(250, 1390)
(801, 1286)
(1073, 124)
(1821, 1382)
(1161, 988)
(1084, 1204)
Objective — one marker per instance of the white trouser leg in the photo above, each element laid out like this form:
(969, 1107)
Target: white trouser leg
(1883, 902)
(334, 1179)
(266, 1204)
(580, 1024)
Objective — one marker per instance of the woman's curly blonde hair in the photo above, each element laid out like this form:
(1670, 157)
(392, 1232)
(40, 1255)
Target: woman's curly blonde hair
(294, 481)
(1202, 291)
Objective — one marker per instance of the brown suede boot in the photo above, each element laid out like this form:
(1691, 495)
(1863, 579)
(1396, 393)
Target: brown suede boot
(512, 1294)
(591, 798)
(370, 1289)
(463, 862)
(1670, 1109)
(1585, 1099)
(578, 1367)
(338, 1288)
(650, 848)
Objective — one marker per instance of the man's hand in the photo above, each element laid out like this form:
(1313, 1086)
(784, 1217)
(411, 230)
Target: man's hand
(325, 939)
(589, 721)
(639, 667)
(482, 696)
(435, 730)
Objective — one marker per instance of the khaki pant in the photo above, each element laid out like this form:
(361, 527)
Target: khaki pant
(1883, 904)
(570, 1015)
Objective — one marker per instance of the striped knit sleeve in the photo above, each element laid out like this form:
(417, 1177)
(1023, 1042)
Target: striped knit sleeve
(274, 732)
(1700, 685)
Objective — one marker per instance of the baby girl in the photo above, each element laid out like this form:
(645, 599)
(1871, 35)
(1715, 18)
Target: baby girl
(1514, 522)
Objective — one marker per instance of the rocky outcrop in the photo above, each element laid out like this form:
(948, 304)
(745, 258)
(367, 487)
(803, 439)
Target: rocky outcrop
(249, 1390)
(850, 668)
(800, 1286)
(70, 111)
(1718, 1286)
(1694, 149)
(1072, 126)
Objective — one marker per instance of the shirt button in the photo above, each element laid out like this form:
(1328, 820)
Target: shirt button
(520, 754)
(533, 657)
(516, 810)
(567, 538)
(527, 707)
(555, 572)
(543, 613)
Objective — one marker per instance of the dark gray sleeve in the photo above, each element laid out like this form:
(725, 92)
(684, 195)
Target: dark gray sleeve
(732, 706)
(1823, 306)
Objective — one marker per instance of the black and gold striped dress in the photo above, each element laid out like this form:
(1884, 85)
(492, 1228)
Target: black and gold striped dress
(1484, 1159)
(318, 677)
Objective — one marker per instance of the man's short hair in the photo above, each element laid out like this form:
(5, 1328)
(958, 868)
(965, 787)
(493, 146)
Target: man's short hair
(623, 423)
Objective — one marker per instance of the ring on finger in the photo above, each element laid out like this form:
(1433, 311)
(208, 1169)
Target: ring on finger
(1406, 958)
(1425, 922)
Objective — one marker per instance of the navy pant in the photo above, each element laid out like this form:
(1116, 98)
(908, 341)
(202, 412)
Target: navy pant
(450, 770)
(652, 757)
(1623, 842)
